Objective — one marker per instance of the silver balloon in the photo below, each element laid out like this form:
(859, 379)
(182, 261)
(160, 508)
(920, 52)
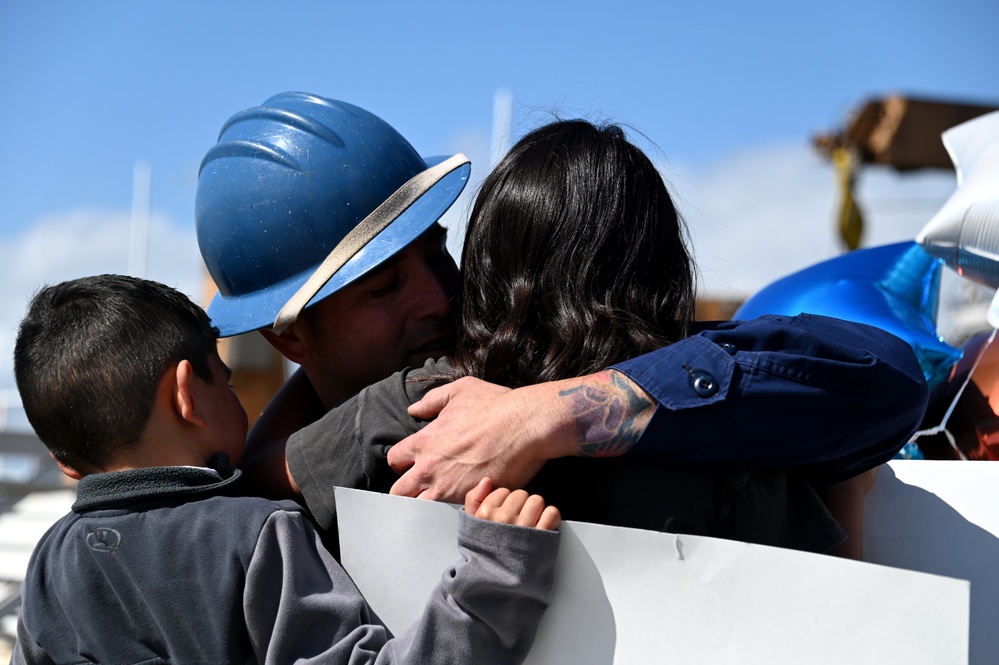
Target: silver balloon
(965, 232)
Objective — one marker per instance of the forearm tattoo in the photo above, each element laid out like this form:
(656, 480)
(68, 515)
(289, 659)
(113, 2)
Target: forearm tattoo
(610, 415)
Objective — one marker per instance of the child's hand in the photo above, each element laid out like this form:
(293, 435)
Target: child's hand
(506, 507)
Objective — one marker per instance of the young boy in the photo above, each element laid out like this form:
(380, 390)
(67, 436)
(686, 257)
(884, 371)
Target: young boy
(161, 560)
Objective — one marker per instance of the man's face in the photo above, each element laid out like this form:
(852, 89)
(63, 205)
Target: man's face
(396, 317)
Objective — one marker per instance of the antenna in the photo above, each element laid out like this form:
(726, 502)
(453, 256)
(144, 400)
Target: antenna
(502, 113)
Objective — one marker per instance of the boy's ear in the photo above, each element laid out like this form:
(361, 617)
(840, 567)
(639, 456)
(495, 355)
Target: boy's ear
(66, 469)
(180, 383)
(289, 342)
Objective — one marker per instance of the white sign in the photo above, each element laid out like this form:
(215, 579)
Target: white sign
(942, 518)
(633, 596)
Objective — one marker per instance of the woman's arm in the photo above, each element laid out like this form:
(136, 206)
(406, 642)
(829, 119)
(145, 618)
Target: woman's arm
(835, 397)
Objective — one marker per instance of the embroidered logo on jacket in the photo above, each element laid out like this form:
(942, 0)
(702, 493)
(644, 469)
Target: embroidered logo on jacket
(103, 540)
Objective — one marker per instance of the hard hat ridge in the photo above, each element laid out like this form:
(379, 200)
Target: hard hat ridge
(259, 148)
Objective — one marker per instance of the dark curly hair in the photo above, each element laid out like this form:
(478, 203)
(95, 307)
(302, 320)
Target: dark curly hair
(575, 258)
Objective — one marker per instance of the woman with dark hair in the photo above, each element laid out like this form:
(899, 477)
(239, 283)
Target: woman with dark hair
(575, 259)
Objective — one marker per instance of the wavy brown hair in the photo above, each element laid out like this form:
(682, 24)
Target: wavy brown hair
(575, 258)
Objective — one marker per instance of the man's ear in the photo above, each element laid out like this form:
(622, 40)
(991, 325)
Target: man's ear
(290, 342)
(181, 385)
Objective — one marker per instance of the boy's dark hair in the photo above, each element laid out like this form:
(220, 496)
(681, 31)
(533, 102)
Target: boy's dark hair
(575, 258)
(89, 357)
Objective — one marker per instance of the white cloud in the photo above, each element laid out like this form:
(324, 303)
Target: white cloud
(84, 242)
(759, 215)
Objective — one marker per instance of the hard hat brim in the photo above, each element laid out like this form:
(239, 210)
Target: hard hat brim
(234, 315)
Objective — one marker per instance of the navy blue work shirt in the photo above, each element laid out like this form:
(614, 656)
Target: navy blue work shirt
(833, 397)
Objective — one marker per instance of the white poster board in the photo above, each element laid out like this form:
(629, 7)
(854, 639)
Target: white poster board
(633, 596)
(942, 518)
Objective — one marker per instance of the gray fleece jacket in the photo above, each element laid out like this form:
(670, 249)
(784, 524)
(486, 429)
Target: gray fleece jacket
(171, 565)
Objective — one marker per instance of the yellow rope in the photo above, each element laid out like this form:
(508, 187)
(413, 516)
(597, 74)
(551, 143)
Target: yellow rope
(851, 223)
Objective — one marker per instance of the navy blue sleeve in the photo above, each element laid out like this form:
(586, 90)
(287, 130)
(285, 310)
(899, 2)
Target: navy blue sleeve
(831, 396)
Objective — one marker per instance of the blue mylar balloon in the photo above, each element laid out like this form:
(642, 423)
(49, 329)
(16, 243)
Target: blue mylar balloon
(894, 287)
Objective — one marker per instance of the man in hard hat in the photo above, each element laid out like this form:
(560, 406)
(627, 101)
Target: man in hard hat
(319, 224)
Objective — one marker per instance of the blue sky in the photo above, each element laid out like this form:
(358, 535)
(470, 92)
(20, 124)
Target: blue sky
(729, 92)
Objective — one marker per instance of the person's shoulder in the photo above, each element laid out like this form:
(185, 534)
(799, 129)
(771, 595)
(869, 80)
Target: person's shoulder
(261, 504)
(415, 382)
(439, 368)
(243, 509)
(54, 534)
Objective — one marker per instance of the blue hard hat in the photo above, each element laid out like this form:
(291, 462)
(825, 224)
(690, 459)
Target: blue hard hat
(286, 183)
